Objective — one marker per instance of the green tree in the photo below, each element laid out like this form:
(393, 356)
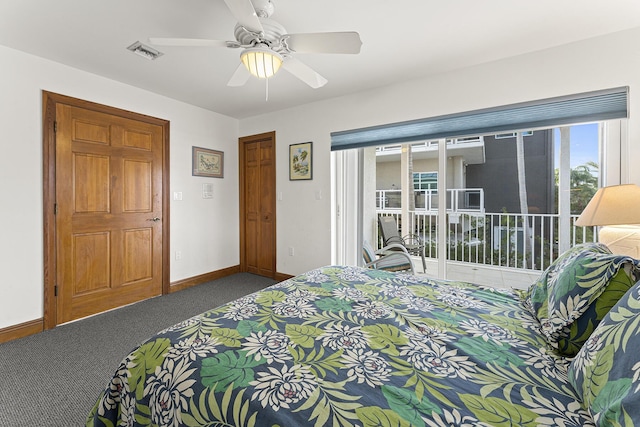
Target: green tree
(584, 184)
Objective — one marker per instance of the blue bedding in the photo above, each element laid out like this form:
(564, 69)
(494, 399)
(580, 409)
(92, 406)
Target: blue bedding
(346, 346)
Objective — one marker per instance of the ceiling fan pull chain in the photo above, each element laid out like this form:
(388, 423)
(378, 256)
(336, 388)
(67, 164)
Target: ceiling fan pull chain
(266, 85)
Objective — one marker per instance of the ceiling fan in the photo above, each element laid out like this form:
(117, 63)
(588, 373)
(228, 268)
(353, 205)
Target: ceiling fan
(267, 46)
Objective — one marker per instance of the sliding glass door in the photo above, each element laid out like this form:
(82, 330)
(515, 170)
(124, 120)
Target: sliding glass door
(492, 208)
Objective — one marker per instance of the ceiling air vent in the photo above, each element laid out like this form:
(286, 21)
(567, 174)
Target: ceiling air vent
(145, 51)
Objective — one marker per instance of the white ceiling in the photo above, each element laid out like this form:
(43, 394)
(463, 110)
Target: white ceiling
(402, 40)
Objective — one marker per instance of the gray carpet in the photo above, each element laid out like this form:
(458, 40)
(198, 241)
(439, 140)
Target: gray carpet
(54, 378)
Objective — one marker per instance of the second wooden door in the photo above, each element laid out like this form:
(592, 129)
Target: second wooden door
(257, 204)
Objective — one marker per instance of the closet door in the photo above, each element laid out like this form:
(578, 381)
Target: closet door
(257, 204)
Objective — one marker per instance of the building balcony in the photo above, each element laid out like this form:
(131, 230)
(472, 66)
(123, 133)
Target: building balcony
(426, 201)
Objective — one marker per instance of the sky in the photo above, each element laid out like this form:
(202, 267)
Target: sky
(584, 144)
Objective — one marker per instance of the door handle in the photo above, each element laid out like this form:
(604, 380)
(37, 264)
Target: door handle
(154, 219)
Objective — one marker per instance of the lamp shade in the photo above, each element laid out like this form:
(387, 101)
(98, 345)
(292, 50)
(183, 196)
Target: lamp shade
(614, 205)
(261, 61)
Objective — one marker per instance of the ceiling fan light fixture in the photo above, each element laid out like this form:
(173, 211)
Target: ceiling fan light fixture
(261, 61)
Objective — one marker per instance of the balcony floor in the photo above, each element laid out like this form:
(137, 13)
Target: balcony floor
(483, 275)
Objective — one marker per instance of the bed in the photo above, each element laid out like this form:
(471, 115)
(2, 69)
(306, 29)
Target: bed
(348, 346)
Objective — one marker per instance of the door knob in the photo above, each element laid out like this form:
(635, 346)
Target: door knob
(155, 219)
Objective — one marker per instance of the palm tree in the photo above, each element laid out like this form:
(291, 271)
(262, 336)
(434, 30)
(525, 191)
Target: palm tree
(522, 191)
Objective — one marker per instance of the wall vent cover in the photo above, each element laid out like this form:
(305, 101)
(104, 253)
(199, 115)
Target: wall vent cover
(145, 51)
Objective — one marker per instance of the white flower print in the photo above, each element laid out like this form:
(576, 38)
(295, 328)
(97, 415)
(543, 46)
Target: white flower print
(285, 284)
(193, 348)
(551, 366)
(366, 367)
(397, 291)
(372, 310)
(451, 290)
(281, 388)
(458, 297)
(424, 333)
(118, 386)
(343, 336)
(438, 359)
(417, 303)
(452, 419)
(182, 325)
(272, 345)
(241, 309)
(350, 294)
(489, 331)
(555, 413)
(128, 411)
(168, 389)
(552, 328)
(302, 295)
(299, 308)
(353, 274)
(316, 276)
(586, 357)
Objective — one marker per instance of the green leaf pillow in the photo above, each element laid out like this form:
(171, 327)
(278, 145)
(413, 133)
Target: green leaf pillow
(581, 329)
(567, 290)
(605, 373)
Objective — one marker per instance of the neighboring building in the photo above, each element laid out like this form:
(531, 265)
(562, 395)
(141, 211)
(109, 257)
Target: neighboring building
(498, 175)
(482, 178)
(485, 164)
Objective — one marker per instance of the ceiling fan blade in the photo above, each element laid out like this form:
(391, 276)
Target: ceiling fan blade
(304, 73)
(245, 14)
(340, 42)
(240, 76)
(160, 41)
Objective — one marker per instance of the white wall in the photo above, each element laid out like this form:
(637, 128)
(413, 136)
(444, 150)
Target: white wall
(599, 63)
(388, 173)
(205, 231)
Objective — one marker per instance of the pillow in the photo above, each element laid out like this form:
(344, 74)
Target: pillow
(581, 329)
(605, 374)
(567, 290)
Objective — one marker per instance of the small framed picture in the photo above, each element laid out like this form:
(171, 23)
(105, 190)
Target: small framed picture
(207, 162)
(301, 161)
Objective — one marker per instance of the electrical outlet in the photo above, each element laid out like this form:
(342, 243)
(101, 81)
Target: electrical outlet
(178, 255)
(291, 251)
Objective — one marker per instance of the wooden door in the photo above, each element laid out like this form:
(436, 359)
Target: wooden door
(258, 204)
(109, 211)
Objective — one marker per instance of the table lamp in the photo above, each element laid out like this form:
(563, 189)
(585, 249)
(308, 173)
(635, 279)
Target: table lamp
(617, 210)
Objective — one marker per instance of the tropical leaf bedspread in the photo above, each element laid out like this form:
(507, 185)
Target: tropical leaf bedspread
(345, 346)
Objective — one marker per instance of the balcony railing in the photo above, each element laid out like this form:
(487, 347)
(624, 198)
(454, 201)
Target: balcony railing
(428, 145)
(458, 200)
(528, 242)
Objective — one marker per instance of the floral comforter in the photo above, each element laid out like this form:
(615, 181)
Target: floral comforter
(345, 346)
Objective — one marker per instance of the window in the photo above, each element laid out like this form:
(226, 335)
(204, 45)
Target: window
(513, 134)
(518, 224)
(425, 180)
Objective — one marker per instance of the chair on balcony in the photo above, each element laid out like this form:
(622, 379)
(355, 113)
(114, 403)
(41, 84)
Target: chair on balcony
(411, 242)
(390, 258)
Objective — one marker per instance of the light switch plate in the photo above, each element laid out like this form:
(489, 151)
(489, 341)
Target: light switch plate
(207, 191)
